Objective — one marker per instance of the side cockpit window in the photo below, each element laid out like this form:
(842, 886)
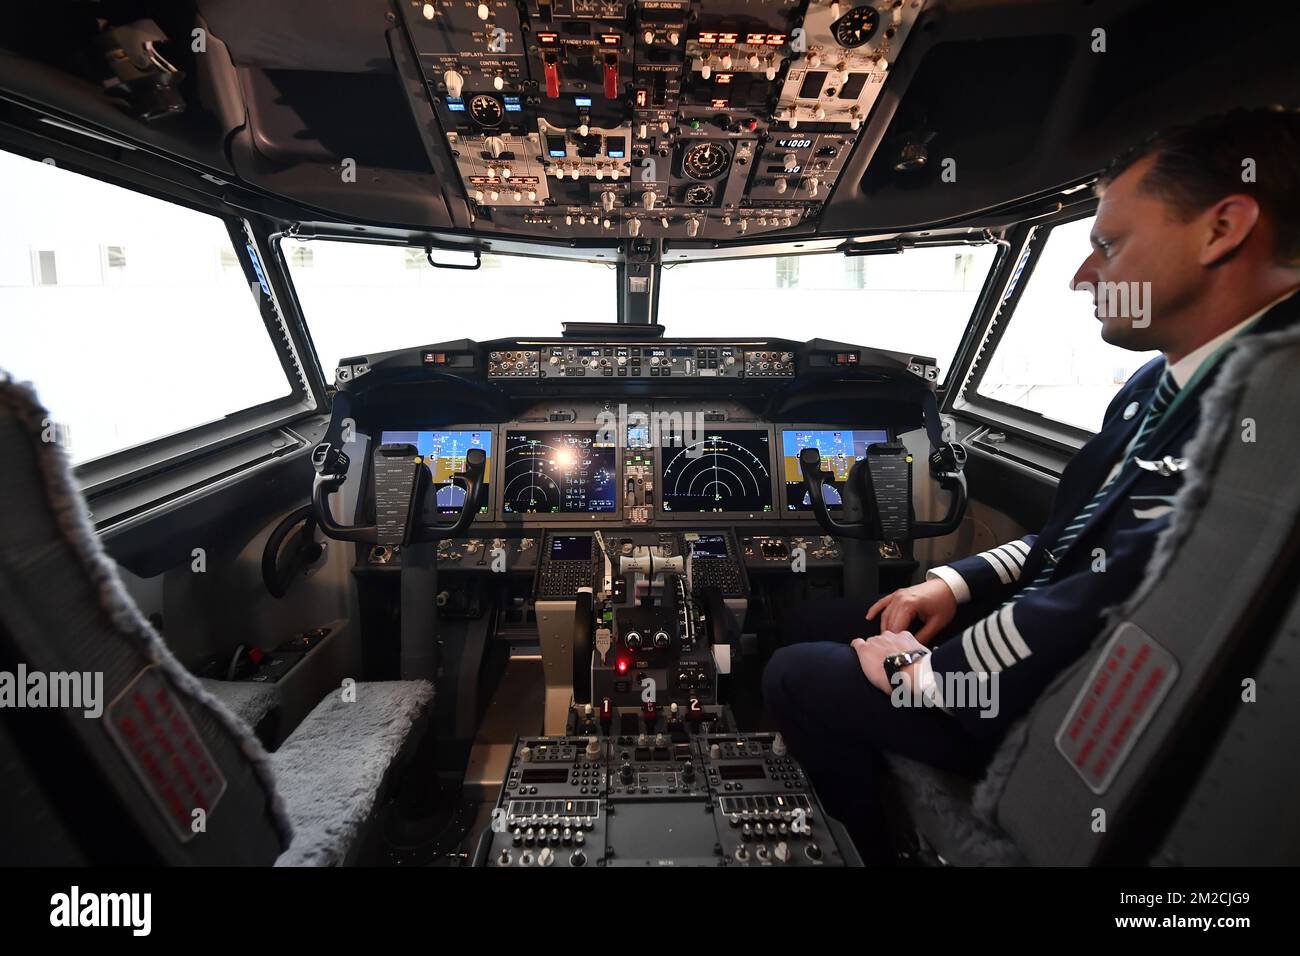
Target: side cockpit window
(1050, 359)
(132, 316)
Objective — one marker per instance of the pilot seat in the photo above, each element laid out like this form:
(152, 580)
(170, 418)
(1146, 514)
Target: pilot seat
(168, 773)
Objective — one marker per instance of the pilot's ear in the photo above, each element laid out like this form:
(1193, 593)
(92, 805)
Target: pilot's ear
(1230, 223)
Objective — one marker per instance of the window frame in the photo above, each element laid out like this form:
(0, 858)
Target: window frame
(1027, 244)
(109, 473)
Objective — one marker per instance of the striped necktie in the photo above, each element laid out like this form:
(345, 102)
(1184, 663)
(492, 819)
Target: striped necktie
(1165, 391)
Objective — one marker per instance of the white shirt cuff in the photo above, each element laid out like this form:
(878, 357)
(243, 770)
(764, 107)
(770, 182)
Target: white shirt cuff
(927, 683)
(956, 583)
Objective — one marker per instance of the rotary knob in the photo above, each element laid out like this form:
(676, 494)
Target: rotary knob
(634, 227)
(648, 199)
(625, 773)
(662, 639)
(526, 754)
(593, 744)
(496, 146)
(607, 200)
(632, 640)
(455, 83)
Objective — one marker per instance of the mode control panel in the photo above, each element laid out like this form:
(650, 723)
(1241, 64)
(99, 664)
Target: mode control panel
(657, 360)
(662, 360)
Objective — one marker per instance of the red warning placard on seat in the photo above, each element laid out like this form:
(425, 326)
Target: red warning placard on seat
(1118, 700)
(151, 726)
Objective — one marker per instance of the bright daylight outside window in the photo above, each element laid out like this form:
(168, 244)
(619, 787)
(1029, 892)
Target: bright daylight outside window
(918, 301)
(1052, 359)
(130, 315)
(360, 298)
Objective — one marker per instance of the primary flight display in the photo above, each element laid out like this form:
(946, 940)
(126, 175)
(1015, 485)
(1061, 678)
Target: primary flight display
(444, 453)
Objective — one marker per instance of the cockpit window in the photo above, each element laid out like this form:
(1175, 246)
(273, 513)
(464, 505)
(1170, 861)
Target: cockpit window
(362, 298)
(917, 301)
(1052, 359)
(131, 315)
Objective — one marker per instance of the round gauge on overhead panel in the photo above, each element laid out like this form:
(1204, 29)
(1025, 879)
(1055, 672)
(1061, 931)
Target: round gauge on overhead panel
(856, 27)
(486, 110)
(699, 196)
(705, 160)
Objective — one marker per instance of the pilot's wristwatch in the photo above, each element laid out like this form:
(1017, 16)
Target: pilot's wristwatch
(896, 662)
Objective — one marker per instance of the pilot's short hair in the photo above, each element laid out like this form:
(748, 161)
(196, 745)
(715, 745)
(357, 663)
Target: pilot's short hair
(1199, 163)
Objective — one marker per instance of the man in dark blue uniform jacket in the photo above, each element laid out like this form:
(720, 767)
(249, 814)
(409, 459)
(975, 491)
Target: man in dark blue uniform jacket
(1209, 216)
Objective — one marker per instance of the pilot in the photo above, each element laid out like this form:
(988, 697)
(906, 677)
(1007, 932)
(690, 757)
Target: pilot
(1209, 215)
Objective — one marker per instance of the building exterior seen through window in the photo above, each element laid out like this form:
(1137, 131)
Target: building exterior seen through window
(130, 315)
(361, 298)
(917, 301)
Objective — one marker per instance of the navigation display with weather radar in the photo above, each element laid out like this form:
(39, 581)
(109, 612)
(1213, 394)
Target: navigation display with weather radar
(559, 472)
(730, 471)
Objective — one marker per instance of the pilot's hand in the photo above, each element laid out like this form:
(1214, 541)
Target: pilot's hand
(873, 651)
(931, 601)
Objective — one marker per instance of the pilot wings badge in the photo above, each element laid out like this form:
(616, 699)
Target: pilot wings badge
(1165, 467)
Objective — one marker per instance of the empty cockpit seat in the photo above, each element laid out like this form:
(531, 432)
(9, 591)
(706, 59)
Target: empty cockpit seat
(254, 702)
(1169, 742)
(168, 772)
(165, 773)
(334, 769)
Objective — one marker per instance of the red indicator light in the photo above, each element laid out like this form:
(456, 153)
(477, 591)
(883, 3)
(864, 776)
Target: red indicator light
(723, 78)
(720, 104)
(775, 39)
(756, 39)
(547, 37)
(610, 39)
(728, 38)
(708, 39)
(622, 667)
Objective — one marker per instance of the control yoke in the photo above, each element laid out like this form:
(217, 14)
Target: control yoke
(401, 481)
(860, 506)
